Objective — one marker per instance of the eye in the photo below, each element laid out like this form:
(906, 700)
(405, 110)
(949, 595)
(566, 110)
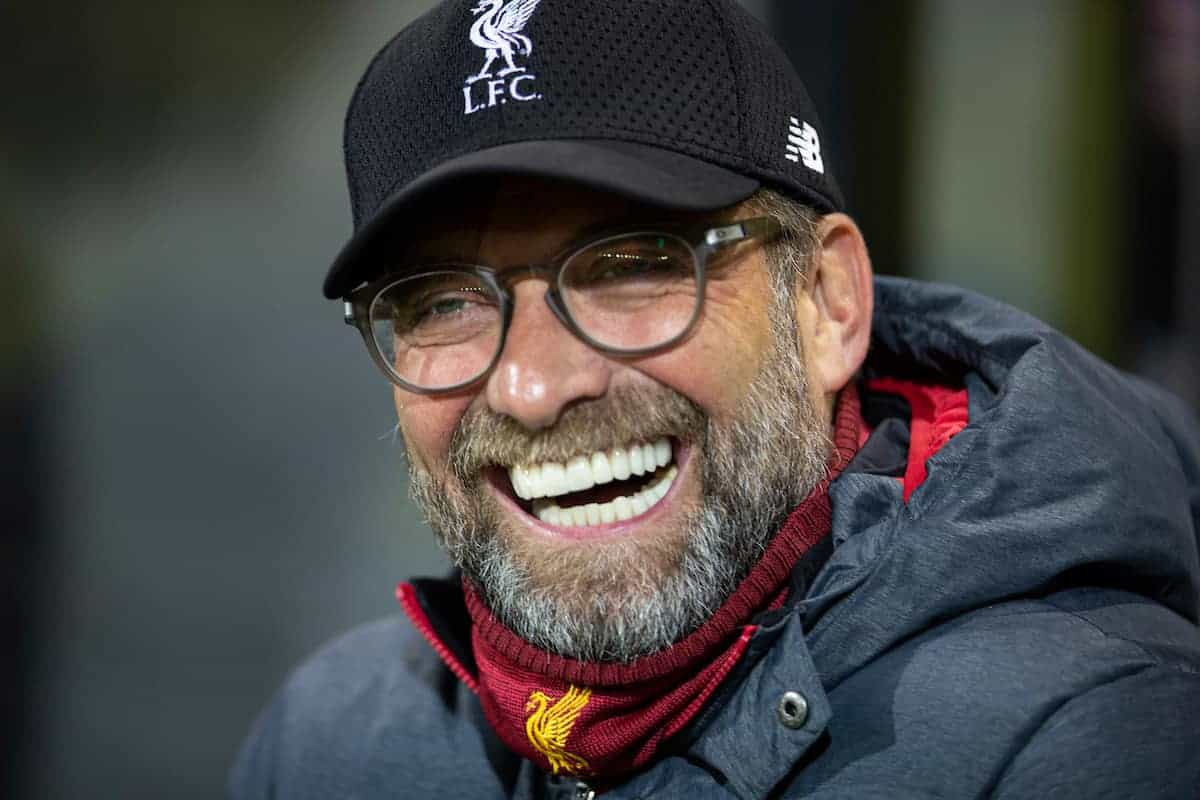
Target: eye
(618, 265)
(446, 305)
(630, 259)
(632, 291)
(443, 306)
(434, 301)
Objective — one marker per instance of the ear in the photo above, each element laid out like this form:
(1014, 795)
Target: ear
(836, 305)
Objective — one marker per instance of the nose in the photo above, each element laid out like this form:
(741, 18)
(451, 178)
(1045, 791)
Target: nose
(544, 368)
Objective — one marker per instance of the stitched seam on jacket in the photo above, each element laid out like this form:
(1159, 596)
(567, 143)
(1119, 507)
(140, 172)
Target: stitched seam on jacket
(1141, 647)
(951, 333)
(1049, 717)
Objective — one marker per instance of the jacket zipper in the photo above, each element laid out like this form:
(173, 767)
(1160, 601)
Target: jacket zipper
(407, 596)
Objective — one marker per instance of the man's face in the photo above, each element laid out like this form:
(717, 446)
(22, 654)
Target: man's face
(744, 440)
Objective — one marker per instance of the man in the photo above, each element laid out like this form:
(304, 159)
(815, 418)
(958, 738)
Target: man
(709, 544)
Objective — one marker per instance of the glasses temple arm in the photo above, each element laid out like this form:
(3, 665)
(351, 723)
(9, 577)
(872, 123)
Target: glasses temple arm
(744, 230)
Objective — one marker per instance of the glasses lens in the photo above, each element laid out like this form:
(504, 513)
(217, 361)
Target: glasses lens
(632, 292)
(437, 330)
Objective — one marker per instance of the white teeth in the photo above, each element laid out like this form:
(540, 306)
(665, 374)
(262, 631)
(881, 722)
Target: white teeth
(602, 469)
(623, 508)
(620, 463)
(551, 479)
(517, 476)
(579, 474)
(662, 452)
(554, 480)
(527, 481)
(663, 486)
(635, 460)
(619, 509)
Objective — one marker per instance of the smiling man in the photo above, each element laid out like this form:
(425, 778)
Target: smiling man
(707, 544)
(619, 456)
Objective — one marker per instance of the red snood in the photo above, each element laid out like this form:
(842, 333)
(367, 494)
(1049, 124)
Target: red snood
(600, 720)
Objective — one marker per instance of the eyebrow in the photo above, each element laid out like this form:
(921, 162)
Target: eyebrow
(666, 222)
(624, 223)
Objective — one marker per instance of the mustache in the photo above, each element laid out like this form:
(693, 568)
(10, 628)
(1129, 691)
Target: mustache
(625, 415)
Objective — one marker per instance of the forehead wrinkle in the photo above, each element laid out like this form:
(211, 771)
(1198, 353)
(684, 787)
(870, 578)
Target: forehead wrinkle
(540, 220)
(475, 243)
(454, 225)
(543, 218)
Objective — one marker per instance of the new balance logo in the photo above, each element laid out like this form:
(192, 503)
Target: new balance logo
(804, 147)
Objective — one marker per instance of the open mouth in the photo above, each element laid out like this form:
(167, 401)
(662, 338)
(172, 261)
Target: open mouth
(597, 488)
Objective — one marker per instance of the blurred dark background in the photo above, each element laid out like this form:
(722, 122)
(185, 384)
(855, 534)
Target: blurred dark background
(200, 485)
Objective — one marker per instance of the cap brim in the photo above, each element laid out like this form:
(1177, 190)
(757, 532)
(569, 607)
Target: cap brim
(644, 174)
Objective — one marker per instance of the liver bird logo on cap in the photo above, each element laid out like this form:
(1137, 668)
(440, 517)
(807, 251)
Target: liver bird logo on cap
(498, 32)
(549, 724)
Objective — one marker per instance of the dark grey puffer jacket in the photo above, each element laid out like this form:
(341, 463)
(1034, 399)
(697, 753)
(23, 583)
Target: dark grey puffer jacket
(1024, 627)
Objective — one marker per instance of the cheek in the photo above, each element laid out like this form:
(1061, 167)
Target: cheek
(427, 424)
(716, 365)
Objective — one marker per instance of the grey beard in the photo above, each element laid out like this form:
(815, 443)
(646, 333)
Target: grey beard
(615, 601)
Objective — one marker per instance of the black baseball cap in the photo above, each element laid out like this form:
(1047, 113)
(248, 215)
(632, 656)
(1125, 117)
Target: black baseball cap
(685, 105)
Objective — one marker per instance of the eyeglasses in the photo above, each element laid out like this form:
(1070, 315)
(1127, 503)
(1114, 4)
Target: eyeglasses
(439, 328)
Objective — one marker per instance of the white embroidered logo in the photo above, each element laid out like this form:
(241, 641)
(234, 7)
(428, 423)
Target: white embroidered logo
(804, 146)
(498, 32)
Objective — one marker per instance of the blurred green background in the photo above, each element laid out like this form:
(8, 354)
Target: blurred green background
(200, 482)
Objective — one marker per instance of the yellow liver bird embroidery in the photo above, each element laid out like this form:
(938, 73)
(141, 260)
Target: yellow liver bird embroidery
(548, 726)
